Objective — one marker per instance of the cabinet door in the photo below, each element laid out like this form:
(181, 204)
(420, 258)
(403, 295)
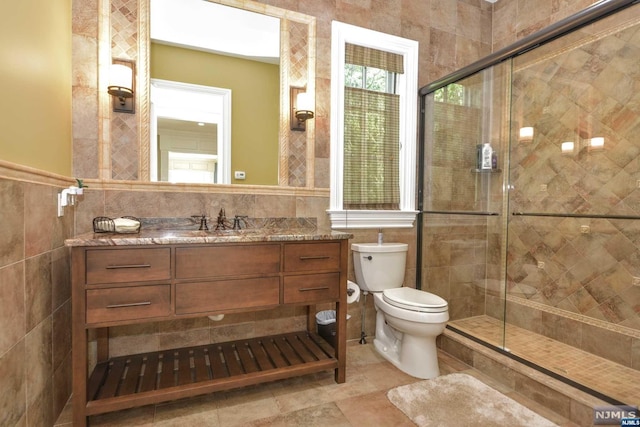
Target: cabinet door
(311, 256)
(222, 295)
(128, 265)
(311, 288)
(227, 260)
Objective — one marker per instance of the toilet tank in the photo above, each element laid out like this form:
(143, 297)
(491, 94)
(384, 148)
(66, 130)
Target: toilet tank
(379, 266)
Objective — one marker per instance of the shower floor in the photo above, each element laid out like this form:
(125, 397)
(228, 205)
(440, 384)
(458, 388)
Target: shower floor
(609, 378)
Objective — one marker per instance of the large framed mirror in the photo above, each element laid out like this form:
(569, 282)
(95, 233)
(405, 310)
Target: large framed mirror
(291, 155)
(204, 51)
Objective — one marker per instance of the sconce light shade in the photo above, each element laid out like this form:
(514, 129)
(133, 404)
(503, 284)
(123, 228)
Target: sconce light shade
(526, 134)
(121, 85)
(301, 108)
(567, 147)
(596, 143)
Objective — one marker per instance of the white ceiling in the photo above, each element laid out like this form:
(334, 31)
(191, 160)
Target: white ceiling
(212, 27)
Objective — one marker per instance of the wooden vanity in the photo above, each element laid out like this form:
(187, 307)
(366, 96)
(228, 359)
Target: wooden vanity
(157, 276)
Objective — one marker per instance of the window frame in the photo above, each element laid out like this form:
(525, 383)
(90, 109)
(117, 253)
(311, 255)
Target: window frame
(407, 88)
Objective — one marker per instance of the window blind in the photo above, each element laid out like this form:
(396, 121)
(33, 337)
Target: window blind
(371, 137)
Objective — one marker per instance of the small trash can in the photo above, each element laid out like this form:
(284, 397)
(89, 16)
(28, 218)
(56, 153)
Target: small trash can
(326, 325)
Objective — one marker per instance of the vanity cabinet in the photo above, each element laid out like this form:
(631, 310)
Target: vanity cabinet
(136, 283)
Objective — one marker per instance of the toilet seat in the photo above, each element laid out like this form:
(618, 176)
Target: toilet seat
(414, 300)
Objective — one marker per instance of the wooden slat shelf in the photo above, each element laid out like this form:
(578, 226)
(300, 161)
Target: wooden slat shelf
(128, 381)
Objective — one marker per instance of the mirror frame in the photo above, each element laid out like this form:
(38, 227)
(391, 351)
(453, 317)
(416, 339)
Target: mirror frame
(287, 137)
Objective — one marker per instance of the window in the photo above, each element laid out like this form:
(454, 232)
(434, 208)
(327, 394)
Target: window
(451, 94)
(373, 129)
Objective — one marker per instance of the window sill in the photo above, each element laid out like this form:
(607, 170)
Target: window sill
(371, 219)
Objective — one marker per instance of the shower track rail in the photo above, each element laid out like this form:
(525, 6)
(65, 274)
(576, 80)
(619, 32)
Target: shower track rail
(479, 213)
(570, 215)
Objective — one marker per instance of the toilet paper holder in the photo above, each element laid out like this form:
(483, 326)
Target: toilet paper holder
(350, 291)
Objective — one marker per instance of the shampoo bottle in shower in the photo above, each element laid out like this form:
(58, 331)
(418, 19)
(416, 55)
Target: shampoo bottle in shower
(487, 153)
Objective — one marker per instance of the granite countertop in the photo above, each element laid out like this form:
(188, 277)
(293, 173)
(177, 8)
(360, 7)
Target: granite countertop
(154, 233)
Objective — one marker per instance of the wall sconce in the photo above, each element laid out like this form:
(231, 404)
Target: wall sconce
(121, 85)
(526, 134)
(301, 108)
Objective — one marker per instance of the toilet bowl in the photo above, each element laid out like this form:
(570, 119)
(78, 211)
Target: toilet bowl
(407, 320)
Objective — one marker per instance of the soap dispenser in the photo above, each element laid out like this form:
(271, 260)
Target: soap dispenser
(487, 154)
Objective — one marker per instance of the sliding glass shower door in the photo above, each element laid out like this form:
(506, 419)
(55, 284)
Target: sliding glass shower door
(463, 204)
(539, 254)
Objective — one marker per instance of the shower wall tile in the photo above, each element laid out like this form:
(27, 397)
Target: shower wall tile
(580, 93)
(608, 344)
(524, 317)
(565, 330)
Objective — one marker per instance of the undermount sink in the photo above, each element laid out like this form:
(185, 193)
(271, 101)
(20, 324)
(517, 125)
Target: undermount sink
(241, 232)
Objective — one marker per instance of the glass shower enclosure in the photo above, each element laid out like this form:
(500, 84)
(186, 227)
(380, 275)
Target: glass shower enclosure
(538, 252)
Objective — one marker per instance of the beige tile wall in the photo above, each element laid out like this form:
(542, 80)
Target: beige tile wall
(35, 313)
(450, 36)
(35, 337)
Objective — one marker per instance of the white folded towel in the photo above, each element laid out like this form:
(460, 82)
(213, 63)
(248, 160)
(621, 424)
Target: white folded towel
(126, 225)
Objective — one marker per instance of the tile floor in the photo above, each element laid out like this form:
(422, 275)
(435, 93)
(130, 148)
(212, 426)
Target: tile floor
(610, 378)
(312, 400)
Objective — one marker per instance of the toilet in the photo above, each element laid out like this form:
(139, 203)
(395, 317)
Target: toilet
(407, 320)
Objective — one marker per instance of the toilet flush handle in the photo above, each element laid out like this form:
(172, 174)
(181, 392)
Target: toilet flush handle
(369, 257)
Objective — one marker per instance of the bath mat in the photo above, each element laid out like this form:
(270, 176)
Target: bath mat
(461, 400)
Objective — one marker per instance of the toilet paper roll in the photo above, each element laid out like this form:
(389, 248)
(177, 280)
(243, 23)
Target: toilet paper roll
(355, 295)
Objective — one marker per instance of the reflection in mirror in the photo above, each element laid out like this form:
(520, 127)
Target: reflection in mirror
(207, 47)
(191, 139)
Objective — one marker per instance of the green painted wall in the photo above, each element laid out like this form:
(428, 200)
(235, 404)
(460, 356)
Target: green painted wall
(255, 103)
(35, 83)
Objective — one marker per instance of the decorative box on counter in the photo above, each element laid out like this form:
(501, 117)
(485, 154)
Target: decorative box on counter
(122, 225)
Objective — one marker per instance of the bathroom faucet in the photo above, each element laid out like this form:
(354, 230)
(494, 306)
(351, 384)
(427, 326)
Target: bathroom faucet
(221, 223)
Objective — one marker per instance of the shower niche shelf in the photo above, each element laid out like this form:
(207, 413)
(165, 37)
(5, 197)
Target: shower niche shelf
(475, 170)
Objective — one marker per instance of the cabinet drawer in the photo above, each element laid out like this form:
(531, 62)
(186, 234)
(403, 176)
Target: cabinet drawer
(311, 256)
(227, 260)
(224, 295)
(311, 288)
(128, 265)
(128, 303)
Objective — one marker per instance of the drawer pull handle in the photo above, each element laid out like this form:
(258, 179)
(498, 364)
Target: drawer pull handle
(114, 267)
(307, 258)
(131, 304)
(319, 288)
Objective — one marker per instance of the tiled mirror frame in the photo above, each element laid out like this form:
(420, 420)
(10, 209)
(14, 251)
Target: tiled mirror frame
(124, 32)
